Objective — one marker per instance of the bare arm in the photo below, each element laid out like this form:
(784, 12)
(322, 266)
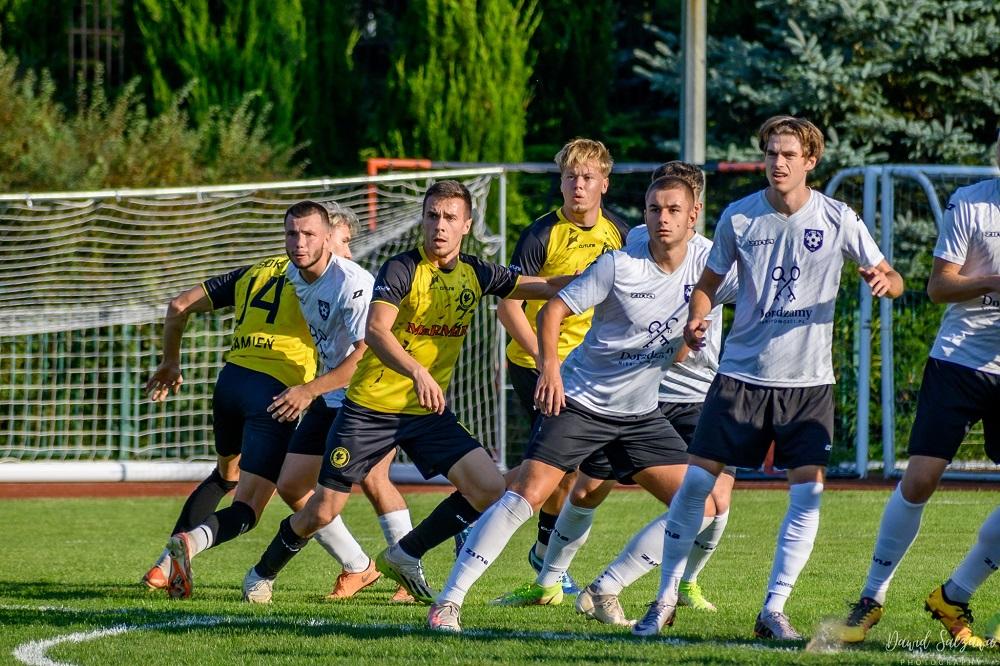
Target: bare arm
(167, 377)
(946, 285)
(531, 287)
(883, 280)
(378, 335)
(512, 316)
(549, 396)
(291, 402)
(701, 303)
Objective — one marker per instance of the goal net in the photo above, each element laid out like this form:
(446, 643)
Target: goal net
(84, 283)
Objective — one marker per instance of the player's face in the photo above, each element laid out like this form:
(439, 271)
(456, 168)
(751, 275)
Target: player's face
(582, 187)
(670, 215)
(786, 167)
(340, 241)
(307, 241)
(446, 221)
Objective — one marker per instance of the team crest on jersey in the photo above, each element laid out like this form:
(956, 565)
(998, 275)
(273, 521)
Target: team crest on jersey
(324, 310)
(688, 288)
(340, 457)
(812, 239)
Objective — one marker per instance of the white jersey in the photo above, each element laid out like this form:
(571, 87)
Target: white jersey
(970, 237)
(789, 274)
(336, 308)
(639, 316)
(688, 380)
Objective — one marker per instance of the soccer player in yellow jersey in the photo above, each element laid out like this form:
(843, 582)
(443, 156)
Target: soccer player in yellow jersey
(562, 242)
(423, 304)
(268, 380)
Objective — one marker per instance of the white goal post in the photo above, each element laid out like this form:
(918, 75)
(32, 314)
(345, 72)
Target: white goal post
(84, 282)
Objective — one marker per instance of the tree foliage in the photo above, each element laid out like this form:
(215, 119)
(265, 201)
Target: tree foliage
(887, 80)
(113, 143)
(224, 49)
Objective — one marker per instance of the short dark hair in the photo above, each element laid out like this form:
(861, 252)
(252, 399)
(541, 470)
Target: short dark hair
(693, 175)
(305, 209)
(448, 189)
(671, 183)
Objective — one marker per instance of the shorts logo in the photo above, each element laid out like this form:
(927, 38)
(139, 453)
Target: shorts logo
(324, 310)
(812, 239)
(991, 234)
(340, 457)
(688, 288)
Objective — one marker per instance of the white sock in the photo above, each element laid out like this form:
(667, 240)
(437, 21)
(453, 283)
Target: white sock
(900, 524)
(395, 525)
(683, 521)
(795, 542)
(337, 540)
(704, 545)
(486, 541)
(164, 561)
(570, 533)
(640, 556)
(982, 560)
(199, 539)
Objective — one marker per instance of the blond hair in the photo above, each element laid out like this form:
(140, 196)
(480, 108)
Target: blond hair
(580, 151)
(342, 215)
(808, 134)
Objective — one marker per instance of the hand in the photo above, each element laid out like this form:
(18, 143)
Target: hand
(429, 393)
(682, 353)
(549, 396)
(166, 378)
(876, 279)
(694, 333)
(290, 403)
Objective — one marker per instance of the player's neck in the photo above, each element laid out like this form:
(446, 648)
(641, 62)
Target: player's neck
(583, 220)
(668, 257)
(446, 262)
(788, 203)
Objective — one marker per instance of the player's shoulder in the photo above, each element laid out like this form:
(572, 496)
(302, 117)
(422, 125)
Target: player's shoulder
(751, 206)
(638, 234)
(541, 226)
(351, 271)
(476, 262)
(616, 221)
(984, 192)
(406, 260)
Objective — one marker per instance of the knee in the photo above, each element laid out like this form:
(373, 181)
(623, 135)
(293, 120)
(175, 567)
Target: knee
(917, 489)
(292, 492)
(485, 493)
(585, 498)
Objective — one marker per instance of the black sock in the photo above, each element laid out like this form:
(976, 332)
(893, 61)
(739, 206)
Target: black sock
(203, 501)
(283, 547)
(231, 522)
(447, 519)
(546, 523)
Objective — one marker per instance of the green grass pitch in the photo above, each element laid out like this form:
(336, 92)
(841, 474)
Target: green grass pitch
(69, 592)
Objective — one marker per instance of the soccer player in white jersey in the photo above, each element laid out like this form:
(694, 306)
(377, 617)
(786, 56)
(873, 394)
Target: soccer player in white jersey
(682, 389)
(333, 294)
(603, 398)
(283, 464)
(776, 374)
(961, 386)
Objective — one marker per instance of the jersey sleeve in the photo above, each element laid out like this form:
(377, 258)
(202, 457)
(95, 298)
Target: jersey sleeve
(530, 251)
(355, 306)
(639, 234)
(726, 292)
(221, 289)
(493, 278)
(723, 253)
(592, 286)
(859, 245)
(394, 280)
(618, 222)
(953, 238)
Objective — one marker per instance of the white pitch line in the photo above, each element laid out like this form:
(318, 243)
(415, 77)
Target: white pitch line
(34, 653)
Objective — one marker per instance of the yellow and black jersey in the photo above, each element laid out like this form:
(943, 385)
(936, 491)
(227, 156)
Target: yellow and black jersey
(269, 335)
(435, 310)
(553, 245)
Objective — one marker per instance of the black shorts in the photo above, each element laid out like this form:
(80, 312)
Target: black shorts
(739, 421)
(523, 381)
(952, 399)
(360, 438)
(242, 424)
(683, 416)
(629, 443)
(310, 437)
